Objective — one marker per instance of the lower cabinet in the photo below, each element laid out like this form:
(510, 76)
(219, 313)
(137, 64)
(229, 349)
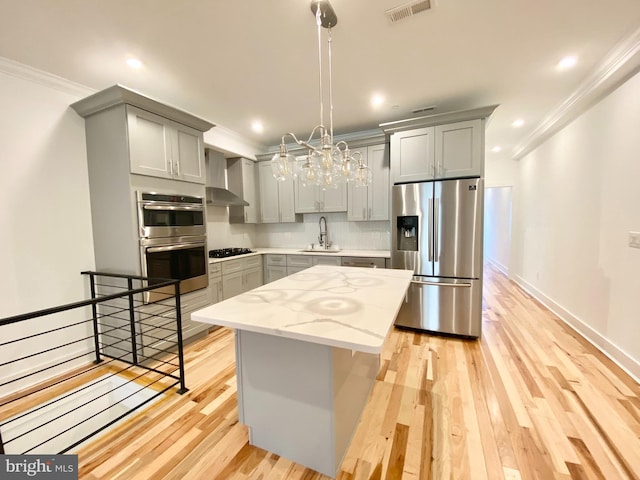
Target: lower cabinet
(275, 267)
(156, 337)
(241, 275)
(215, 282)
(297, 263)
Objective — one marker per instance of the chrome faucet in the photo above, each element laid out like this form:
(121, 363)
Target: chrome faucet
(323, 238)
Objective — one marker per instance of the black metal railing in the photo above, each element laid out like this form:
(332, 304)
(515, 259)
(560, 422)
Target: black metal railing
(65, 377)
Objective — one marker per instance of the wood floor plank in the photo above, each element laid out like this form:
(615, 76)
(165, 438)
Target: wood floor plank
(531, 399)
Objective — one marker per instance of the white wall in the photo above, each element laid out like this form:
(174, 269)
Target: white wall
(46, 238)
(497, 227)
(577, 198)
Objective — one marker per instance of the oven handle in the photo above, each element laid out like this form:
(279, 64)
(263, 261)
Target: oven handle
(173, 207)
(168, 248)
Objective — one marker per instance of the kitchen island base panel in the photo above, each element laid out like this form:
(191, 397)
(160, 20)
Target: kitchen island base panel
(302, 400)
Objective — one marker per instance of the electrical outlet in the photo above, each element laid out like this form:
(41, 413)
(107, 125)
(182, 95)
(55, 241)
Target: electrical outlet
(634, 239)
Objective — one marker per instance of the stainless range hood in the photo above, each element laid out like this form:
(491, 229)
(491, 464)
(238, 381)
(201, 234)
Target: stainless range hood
(217, 192)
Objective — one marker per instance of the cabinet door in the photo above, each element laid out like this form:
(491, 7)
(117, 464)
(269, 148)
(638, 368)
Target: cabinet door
(459, 149)
(215, 285)
(327, 260)
(412, 155)
(269, 197)
(188, 154)
(333, 200)
(286, 202)
(252, 278)
(378, 191)
(149, 144)
(249, 190)
(232, 284)
(273, 273)
(305, 198)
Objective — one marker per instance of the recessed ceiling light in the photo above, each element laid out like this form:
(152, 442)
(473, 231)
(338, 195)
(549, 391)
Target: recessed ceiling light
(134, 63)
(518, 123)
(566, 63)
(496, 149)
(257, 127)
(377, 100)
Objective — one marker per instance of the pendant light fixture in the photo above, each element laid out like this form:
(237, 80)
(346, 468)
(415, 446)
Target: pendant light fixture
(326, 165)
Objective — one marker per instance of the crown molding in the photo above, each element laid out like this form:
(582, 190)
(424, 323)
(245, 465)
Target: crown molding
(620, 64)
(31, 74)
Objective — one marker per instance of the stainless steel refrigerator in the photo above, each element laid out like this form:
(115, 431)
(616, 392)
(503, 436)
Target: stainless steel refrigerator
(437, 232)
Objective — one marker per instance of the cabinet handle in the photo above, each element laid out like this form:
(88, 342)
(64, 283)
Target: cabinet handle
(177, 167)
(245, 216)
(171, 167)
(369, 213)
(364, 213)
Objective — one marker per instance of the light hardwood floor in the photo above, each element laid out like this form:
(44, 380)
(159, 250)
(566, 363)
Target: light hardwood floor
(530, 400)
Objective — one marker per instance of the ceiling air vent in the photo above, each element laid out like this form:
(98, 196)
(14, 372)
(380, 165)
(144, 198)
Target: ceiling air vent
(407, 10)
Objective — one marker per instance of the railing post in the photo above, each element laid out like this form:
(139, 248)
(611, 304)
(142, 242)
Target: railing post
(132, 322)
(183, 387)
(94, 312)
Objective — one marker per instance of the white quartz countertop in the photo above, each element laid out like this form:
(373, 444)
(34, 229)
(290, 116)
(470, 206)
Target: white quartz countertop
(298, 251)
(345, 307)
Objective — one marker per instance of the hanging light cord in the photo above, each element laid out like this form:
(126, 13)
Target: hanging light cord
(330, 89)
(319, 24)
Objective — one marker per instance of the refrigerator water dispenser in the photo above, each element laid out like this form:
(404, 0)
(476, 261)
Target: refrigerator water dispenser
(407, 233)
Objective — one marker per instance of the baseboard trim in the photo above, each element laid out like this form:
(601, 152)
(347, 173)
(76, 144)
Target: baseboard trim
(611, 350)
(499, 266)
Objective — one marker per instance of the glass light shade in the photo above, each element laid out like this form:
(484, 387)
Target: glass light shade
(363, 176)
(307, 173)
(283, 166)
(328, 181)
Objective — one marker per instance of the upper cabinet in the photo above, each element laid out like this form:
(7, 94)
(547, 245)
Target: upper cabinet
(156, 139)
(161, 148)
(444, 151)
(241, 177)
(449, 145)
(276, 198)
(313, 199)
(371, 202)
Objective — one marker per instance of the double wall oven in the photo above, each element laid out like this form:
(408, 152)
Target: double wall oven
(173, 242)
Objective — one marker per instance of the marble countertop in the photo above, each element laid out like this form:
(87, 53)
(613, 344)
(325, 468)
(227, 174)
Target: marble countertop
(298, 251)
(345, 307)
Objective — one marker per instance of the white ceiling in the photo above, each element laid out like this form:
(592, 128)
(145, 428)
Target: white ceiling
(232, 62)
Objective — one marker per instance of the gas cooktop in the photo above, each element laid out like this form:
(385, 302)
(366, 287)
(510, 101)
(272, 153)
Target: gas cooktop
(228, 252)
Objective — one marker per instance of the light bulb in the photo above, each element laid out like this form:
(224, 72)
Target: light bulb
(363, 176)
(283, 166)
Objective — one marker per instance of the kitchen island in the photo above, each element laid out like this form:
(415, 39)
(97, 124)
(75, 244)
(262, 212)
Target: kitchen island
(307, 355)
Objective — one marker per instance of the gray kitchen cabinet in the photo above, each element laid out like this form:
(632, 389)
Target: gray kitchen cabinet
(241, 275)
(459, 149)
(275, 267)
(371, 202)
(326, 259)
(241, 178)
(276, 198)
(312, 199)
(163, 148)
(274, 272)
(441, 151)
(215, 282)
(297, 263)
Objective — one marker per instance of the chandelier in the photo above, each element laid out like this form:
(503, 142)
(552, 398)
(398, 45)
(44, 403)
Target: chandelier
(326, 165)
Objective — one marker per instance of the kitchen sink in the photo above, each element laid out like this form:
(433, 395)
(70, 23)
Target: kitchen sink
(318, 250)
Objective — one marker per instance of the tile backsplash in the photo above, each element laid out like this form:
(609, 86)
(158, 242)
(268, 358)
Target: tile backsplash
(348, 235)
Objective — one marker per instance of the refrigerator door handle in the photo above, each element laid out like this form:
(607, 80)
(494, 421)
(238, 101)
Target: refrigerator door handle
(430, 230)
(442, 284)
(436, 216)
